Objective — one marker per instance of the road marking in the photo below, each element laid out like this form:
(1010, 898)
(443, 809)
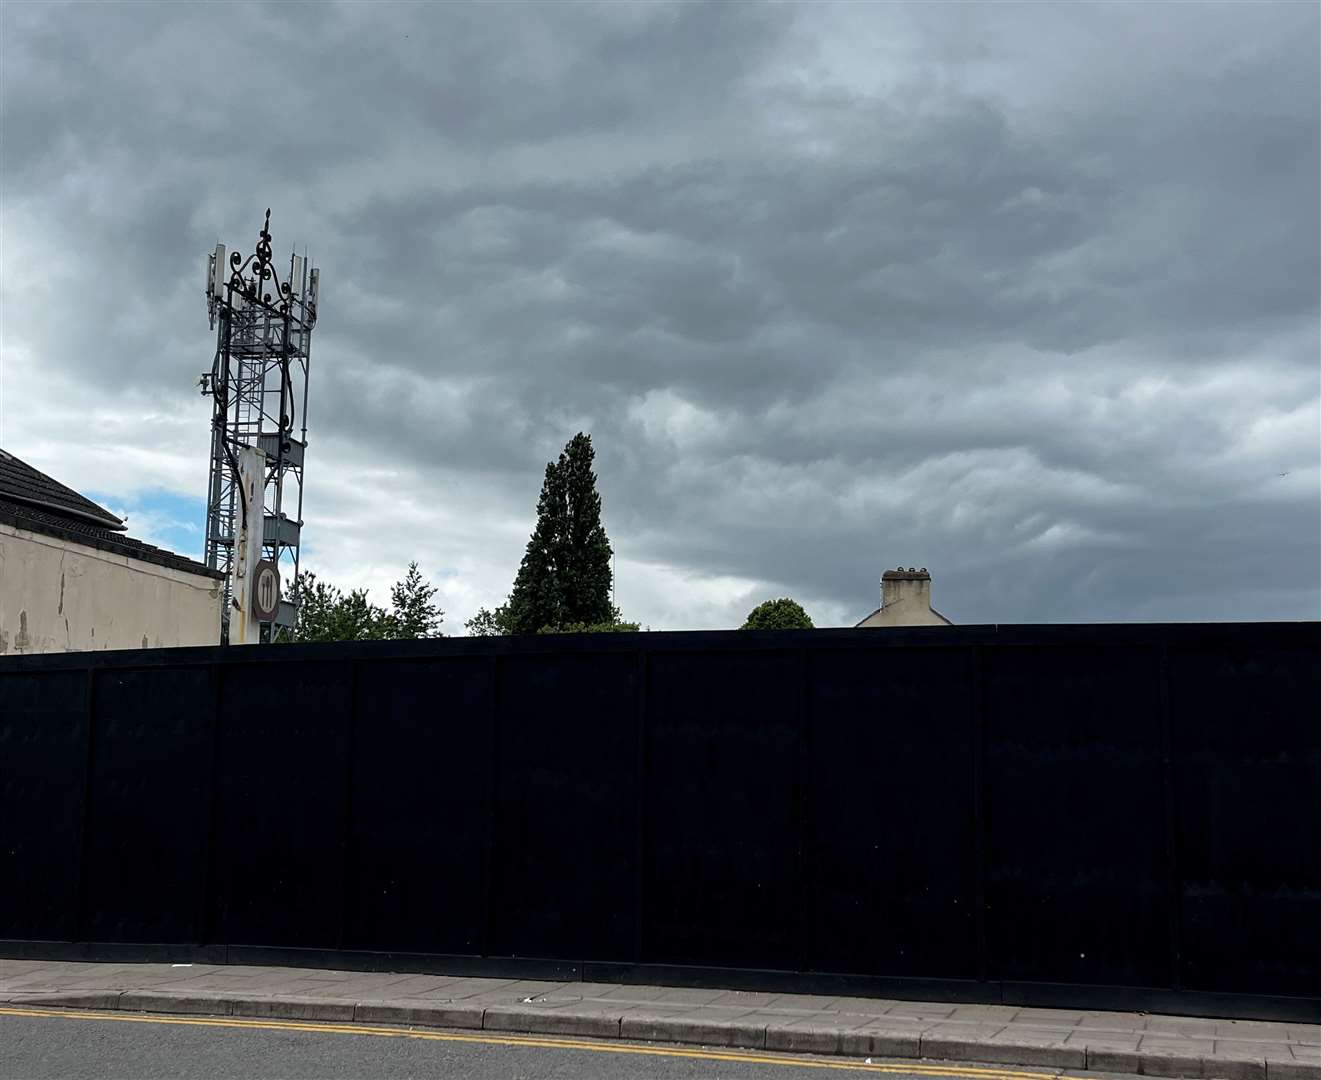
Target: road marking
(539, 1042)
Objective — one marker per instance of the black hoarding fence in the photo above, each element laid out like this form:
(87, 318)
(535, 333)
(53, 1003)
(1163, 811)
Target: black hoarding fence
(1093, 816)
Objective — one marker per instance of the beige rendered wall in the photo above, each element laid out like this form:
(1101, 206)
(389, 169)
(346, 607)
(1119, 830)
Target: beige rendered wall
(57, 596)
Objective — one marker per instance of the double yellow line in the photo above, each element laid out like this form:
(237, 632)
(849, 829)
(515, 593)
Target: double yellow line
(536, 1042)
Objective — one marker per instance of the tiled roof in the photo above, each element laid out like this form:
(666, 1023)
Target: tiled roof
(31, 500)
(20, 482)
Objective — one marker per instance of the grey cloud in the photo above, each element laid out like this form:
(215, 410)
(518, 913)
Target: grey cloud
(1024, 293)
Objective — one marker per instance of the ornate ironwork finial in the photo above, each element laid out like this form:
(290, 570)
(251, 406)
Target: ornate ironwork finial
(249, 276)
(263, 266)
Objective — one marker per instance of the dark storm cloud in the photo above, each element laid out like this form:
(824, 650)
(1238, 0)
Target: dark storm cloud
(1027, 294)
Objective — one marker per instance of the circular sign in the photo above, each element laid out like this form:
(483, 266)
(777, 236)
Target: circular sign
(265, 591)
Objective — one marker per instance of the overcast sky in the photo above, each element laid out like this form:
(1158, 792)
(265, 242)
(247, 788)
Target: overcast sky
(1024, 294)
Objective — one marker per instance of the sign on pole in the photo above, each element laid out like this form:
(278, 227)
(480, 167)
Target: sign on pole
(265, 591)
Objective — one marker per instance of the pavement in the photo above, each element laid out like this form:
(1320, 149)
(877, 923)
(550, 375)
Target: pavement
(850, 1027)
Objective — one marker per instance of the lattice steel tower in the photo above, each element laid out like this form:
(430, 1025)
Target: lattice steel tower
(258, 383)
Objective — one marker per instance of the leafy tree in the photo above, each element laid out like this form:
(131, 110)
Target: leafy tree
(565, 576)
(326, 613)
(413, 614)
(782, 614)
(488, 623)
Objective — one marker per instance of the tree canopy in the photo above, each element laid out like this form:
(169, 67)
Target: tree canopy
(563, 583)
(326, 613)
(414, 613)
(782, 614)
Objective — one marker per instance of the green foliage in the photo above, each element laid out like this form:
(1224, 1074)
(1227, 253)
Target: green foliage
(326, 613)
(413, 614)
(782, 614)
(565, 577)
(488, 623)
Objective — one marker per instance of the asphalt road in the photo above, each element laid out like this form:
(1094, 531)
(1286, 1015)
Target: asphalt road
(74, 1046)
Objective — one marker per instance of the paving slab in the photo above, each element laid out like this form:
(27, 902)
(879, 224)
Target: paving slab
(743, 998)
(1104, 1040)
(883, 1006)
(557, 998)
(531, 988)
(654, 1012)
(1250, 1048)
(922, 1010)
(789, 1021)
(985, 1014)
(1189, 1026)
(908, 1025)
(683, 994)
(1069, 1016)
(803, 1001)
(1252, 1029)
(1100, 1021)
(1166, 1044)
(962, 1031)
(406, 986)
(470, 987)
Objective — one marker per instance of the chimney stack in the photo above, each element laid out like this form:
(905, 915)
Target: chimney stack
(910, 587)
(905, 600)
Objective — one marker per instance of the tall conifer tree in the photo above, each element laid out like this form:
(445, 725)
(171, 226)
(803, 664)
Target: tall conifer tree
(565, 575)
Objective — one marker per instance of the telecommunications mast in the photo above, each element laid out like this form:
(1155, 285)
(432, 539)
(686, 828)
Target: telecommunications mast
(258, 384)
